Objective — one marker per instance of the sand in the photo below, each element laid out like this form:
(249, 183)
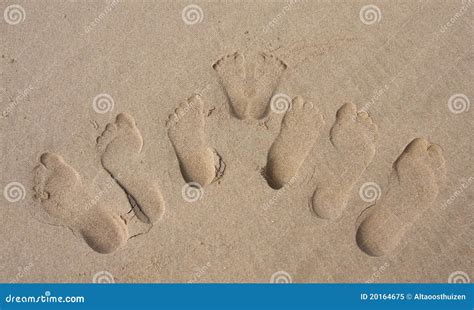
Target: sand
(236, 141)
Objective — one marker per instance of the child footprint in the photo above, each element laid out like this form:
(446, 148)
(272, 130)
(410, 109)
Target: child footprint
(249, 94)
(59, 189)
(413, 186)
(299, 131)
(353, 138)
(186, 132)
(231, 71)
(120, 145)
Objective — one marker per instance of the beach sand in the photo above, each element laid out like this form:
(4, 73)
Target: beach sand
(236, 141)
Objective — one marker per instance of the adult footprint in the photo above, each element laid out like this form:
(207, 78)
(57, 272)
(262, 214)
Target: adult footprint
(353, 137)
(249, 94)
(121, 145)
(414, 184)
(59, 189)
(299, 131)
(186, 132)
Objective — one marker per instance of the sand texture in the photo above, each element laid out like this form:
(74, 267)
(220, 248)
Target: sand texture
(236, 141)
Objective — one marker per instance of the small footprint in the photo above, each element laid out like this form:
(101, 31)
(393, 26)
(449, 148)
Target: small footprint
(197, 161)
(299, 131)
(413, 186)
(121, 145)
(353, 138)
(59, 189)
(249, 94)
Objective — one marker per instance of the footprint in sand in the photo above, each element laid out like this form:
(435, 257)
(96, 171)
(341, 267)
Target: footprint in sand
(120, 145)
(59, 189)
(299, 131)
(413, 186)
(353, 137)
(197, 161)
(249, 92)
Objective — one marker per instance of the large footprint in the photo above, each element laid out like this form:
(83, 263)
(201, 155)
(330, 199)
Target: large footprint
(414, 184)
(249, 94)
(353, 137)
(299, 131)
(59, 189)
(197, 161)
(120, 145)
